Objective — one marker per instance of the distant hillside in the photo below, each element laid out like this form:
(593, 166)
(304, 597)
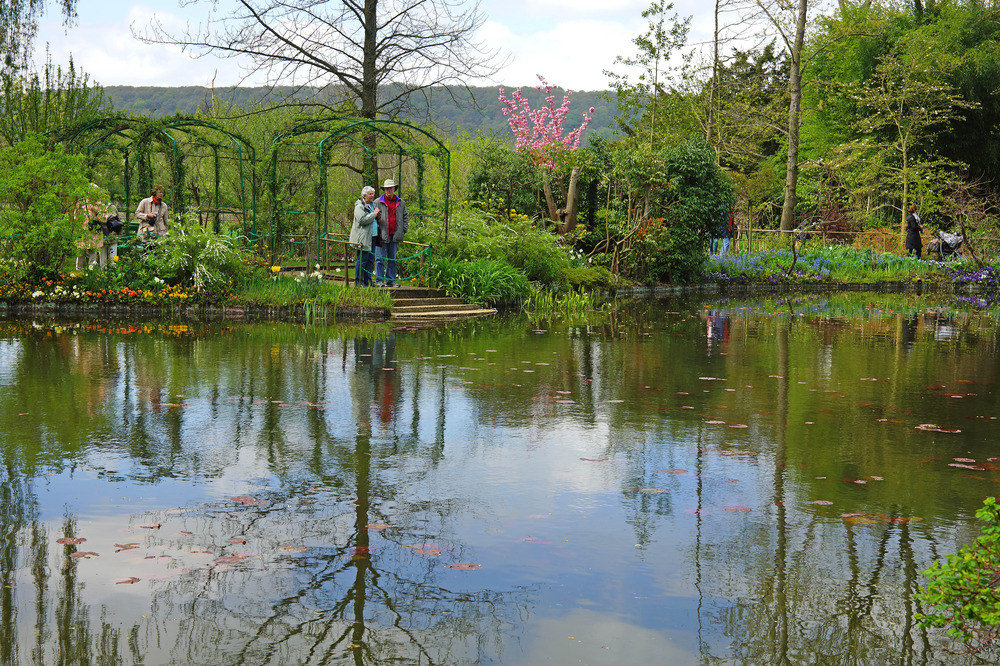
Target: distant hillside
(451, 110)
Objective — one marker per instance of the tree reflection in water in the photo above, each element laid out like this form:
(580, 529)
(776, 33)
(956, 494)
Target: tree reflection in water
(367, 461)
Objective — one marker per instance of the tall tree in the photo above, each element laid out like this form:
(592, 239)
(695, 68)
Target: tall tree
(354, 48)
(38, 102)
(19, 25)
(637, 98)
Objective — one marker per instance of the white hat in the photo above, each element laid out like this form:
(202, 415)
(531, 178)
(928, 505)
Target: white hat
(389, 182)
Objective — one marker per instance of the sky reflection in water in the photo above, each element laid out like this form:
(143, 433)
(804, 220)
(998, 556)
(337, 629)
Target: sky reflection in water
(733, 481)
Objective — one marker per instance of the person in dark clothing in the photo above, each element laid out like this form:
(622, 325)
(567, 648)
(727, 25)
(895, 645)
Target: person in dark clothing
(913, 229)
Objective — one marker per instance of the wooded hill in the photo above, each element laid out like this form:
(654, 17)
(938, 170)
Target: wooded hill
(452, 111)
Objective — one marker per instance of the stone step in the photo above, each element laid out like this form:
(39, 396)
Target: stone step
(406, 302)
(437, 315)
(452, 307)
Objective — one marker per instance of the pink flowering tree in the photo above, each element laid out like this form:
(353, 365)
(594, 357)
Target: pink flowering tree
(540, 134)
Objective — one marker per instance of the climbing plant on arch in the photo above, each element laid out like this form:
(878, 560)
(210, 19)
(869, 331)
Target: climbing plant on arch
(201, 166)
(319, 167)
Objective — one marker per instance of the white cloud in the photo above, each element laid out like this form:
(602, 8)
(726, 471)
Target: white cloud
(570, 42)
(571, 54)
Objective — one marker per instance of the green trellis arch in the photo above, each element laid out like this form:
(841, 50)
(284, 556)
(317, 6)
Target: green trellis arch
(370, 150)
(158, 151)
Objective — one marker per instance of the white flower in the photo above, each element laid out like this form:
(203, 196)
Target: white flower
(36, 294)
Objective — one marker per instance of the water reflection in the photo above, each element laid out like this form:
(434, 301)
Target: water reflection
(739, 482)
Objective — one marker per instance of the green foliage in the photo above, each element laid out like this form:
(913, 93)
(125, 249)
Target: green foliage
(668, 203)
(483, 281)
(476, 235)
(35, 103)
(286, 290)
(39, 193)
(963, 592)
(191, 255)
(637, 97)
(586, 277)
(501, 174)
(549, 304)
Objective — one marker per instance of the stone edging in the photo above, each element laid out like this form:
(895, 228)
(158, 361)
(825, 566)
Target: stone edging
(248, 312)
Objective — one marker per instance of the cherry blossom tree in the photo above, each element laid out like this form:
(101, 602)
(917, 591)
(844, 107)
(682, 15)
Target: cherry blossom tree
(540, 134)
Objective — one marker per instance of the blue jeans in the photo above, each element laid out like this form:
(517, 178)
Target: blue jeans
(364, 265)
(385, 263)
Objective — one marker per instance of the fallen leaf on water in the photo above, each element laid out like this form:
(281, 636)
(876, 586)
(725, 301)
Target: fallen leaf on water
(737, 508)
(237, 540)
(292, 549)
(822, 502)
(84, 555)
(715, 422)
(933, 427)
(964, 466)
(652, 491)
(377, 526)
(127, 581)
(125, 546)
(230, 559)
(465, 566)
(427, 551)
(71, 541)
(936, 387)
(712, 379)
(246, 500)
(964, 460)
(737, 425)
(595, 459)
(154, 526)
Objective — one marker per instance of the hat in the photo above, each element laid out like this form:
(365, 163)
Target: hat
(389, 182)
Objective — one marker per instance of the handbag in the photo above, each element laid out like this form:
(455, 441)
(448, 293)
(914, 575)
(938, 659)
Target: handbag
(114, 225)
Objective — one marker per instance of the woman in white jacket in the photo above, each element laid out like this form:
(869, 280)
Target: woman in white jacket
(365, 226)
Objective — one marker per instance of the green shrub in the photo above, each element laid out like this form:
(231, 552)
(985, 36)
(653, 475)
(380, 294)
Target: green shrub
(587, 278)
(961, 592)
(40, 190)
(191, 255)
(483, 281)
(473, 235)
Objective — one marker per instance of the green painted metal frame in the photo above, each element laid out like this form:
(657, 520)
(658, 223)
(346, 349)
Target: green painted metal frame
(335, 129)
(127, 134)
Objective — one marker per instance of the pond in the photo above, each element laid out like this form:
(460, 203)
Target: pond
(684, 481)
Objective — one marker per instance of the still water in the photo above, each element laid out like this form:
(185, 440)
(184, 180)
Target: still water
(686, 482)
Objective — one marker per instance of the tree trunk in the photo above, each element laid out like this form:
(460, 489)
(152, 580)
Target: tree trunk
(715, 80)
(369, 69)
(794, 119)
(572, 203)
(550, 201)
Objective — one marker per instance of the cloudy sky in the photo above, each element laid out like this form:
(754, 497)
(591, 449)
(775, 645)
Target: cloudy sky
(570, 42)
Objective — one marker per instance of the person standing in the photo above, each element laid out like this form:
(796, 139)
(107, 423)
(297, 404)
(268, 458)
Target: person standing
(152, 214)
(89, 214)
(393, 223)
(365, 226)
(913, 229)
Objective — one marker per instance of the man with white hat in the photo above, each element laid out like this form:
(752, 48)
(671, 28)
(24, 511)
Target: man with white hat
(392, 228)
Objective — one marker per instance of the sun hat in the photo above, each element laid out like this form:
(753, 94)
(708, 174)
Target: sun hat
(389, 182)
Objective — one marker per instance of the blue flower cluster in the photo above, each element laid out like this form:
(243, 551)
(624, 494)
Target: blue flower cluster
(987, 277)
